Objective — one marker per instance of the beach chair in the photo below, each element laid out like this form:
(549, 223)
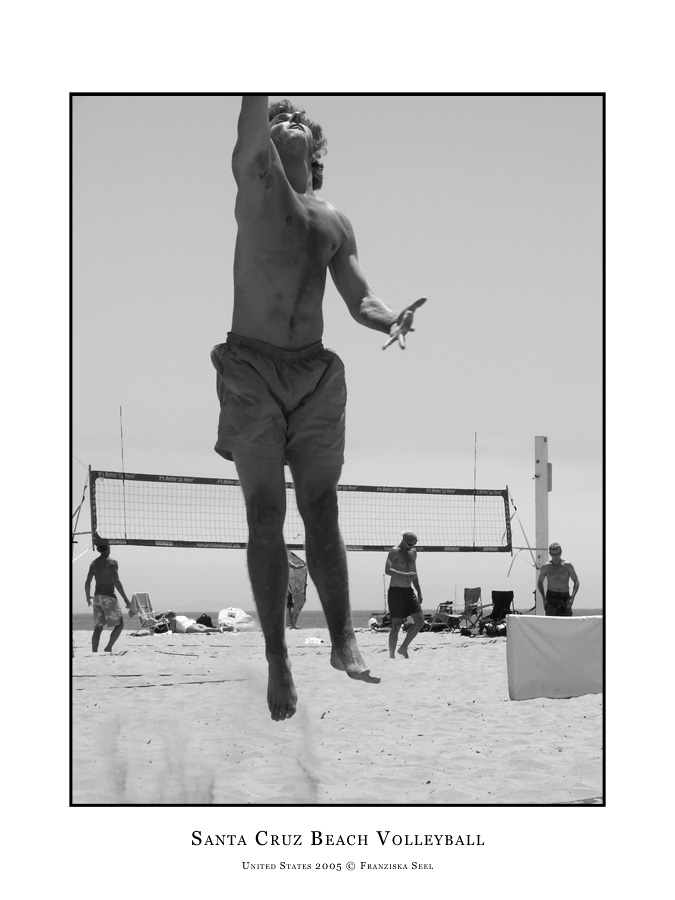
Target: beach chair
(472, 616)
(444, 617)
(502, 606)
(140, 603)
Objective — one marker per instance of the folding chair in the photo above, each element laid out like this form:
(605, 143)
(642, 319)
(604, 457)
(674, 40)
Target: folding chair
(473, 609)
(444, 617)
(502, 606)
(140, 603)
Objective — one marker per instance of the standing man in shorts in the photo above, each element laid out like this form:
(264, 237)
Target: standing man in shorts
(282, 394)
(558, 573)
(402, 600)
(107, 610)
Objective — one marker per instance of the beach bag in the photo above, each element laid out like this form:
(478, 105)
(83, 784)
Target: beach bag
(205, 620)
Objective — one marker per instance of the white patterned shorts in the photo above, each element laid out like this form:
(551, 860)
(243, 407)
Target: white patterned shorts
(106, 610)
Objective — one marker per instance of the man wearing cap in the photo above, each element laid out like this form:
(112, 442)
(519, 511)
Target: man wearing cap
(402, 600)
(105, 607)
(558, 573)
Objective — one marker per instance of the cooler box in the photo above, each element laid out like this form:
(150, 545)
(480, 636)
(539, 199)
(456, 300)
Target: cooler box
(552, 656)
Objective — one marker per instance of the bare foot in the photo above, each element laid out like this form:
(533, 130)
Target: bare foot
(282, 698)
(347, 658)
(403, 652)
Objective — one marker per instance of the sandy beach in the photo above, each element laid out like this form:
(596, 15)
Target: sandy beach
(183, 719)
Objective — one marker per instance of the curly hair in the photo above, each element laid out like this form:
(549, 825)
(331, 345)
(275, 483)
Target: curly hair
(285, 106)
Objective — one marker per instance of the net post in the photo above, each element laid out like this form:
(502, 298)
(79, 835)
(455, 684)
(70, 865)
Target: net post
(92, 506)
(541, 490)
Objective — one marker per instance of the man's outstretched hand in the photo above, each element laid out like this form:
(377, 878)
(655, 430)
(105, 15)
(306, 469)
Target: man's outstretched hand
(403, 324)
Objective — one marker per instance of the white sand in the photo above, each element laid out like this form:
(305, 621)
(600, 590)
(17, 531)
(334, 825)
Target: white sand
(180, 719)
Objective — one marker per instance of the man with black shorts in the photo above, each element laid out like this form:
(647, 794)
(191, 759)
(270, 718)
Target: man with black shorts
(558, 573)
(282, 393)
(402, 600)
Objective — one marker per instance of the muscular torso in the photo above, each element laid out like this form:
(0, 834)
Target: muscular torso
(105, 576)
(558, 577)
(404, 561)
(285, 243)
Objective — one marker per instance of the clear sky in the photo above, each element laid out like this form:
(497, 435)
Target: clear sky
(490, 206)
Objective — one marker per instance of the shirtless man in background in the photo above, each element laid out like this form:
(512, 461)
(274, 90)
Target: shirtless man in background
(282, 394)
(105, 574)
(558, 573)
(401, 565)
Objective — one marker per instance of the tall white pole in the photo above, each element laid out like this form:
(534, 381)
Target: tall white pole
(542, 486)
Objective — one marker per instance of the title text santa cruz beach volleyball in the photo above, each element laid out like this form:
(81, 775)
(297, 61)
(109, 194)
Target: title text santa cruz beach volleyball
(321, 839)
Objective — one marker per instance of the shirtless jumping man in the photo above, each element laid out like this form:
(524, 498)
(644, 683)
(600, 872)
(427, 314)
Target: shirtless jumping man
(558, 573)
(401, 565)
(282, 394)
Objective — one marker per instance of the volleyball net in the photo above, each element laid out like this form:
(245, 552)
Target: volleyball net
(180, 511)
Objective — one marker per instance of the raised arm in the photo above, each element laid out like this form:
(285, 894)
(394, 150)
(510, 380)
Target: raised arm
(252, 152)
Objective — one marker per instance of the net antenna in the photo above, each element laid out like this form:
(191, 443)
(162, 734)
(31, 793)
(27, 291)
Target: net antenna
(185, 511)
(475, 463)
(124, 499)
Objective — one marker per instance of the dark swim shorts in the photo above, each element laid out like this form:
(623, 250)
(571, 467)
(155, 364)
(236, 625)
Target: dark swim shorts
(557, 603)
(280, 404)
(402, 602)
